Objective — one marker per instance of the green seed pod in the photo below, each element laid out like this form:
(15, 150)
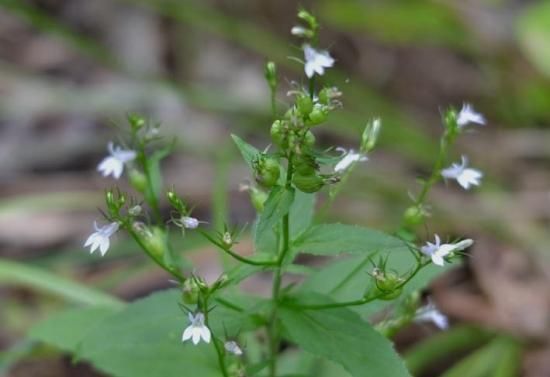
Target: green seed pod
(413, 216)
(318, 115)
(267, 171)
(190, 292)
(279, 133)
(391, 295)
(304, 104)
(138, 180)
(308, 183)
(258, 198)
(305, 164)
(271, 74)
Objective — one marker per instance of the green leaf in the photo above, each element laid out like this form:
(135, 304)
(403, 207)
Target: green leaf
(248, 151)
(334, 239)
(66, 329)
(144, 339)
(21, 274)
(533, 31)
(277, 205)
(300, 218)
(342, 336)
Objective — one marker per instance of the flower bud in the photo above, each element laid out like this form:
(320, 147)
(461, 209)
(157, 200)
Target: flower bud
(451, 121)
(308, 18)
(115, 201)
(309, 183)
(267, 171)
(318, 115)
(387, 284)
(136, 122)
(370, 135)
(135, 211)
(176, 202)
(304, 104)
(190, 292)
(138, 180)
(413, 216)
(227, 239)
(271, 74)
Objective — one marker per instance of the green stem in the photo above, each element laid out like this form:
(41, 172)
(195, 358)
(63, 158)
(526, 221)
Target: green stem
(273, 102)
(150, 197)
(219, 350)
(364, 300)
(446, 141)
(276, 288)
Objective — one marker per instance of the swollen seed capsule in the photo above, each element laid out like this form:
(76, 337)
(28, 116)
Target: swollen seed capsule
(318, 115)
(138, 180)
(268, 171)
(258, 198)
(190, 292)
(308, 183)
(278, 133)
(304, 104)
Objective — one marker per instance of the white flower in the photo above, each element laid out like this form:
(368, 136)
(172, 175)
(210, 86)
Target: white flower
(299, 31)
(437, 251)
(465, 177)
(100, 238)
(196, 330)
(189, 222)
(348, 158)
(316, 61)
(232, 347)
(430, 313)
(114, 163)
(468, 115)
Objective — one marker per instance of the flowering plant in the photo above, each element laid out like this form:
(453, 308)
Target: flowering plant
(213, 328)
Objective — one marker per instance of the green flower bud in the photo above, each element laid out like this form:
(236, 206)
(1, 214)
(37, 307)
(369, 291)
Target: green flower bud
(136, 122)
(267, 170)
(138, 180)
(271, 74)
(318, 115)
(135, 211)
(370, 135)
(176, 202)
(451, 120)
(190, 292)
(413, 216)
(304, 104)
(308, 183)
(308, 18)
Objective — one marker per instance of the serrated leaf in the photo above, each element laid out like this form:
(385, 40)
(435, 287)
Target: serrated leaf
(248, 151)
(342, 336)
(300, 218)
(66, 329)
(144, 339)
(334, 239)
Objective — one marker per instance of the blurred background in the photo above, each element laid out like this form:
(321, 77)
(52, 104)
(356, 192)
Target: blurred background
(70, 71)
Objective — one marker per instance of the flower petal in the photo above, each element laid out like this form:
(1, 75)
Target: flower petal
(187, 333)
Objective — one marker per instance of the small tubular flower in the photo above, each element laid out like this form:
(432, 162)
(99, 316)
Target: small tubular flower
(100, 238)
(437, 251)
(197, 330)
(430, 313)
(316, 61)
(465, 177)
(232, 347)
(468, 115)
(114, 163)
(348, 158)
